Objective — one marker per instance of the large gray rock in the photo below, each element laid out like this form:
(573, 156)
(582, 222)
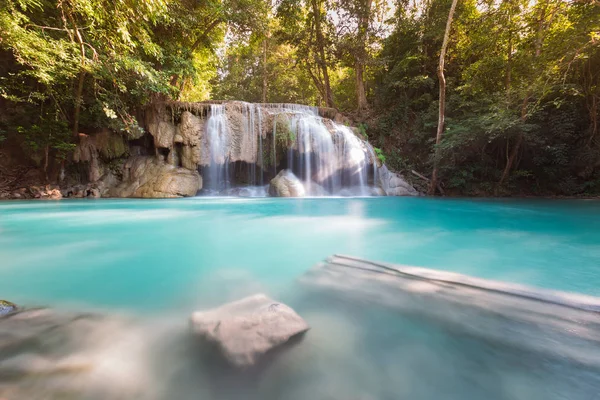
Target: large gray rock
(286, 184)
(393, 184)
(246, 329)
(151, 178)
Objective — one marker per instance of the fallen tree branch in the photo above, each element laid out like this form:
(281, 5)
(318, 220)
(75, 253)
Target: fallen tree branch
(426, 179)
(419, 175)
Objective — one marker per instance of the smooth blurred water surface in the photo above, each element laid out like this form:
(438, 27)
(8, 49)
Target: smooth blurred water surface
(151, 255)
(160, 259)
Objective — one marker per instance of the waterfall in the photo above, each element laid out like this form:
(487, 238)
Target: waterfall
(248, 144)
(217, 132)
(318, 162)
(354, 156)
(251, 128)
(260, 158)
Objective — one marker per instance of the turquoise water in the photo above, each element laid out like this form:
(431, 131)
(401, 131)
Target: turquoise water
(149, 255)
(158, 260)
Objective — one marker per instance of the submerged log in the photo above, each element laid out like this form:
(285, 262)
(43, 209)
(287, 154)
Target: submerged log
(513, 315)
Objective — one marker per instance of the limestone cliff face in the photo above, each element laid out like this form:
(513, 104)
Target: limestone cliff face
(236, 143)
(162, 164)
(102, 146)
(189, 135)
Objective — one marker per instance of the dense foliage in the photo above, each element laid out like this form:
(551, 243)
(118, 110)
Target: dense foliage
(522, 103)
(522, 77)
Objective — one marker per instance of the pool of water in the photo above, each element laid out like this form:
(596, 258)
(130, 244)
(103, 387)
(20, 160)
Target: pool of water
(149, 255)
(165, 258)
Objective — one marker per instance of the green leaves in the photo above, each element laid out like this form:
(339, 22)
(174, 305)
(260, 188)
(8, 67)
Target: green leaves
(379, 154)
(514, 69)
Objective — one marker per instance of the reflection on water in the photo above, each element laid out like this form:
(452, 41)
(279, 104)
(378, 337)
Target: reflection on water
(144, 266)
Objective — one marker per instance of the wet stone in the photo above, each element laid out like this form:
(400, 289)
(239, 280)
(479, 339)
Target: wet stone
(246, 329)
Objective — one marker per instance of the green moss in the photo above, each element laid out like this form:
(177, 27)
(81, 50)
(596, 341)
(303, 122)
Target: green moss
(284, 135)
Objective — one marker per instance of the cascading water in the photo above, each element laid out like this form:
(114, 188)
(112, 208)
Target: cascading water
(217, 133)
(250, 143)
(354, 155)
(318, 161)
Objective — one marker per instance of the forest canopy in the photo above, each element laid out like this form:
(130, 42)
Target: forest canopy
(522, 78)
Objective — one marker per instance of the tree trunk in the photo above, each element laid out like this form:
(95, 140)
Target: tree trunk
(322, 61)
(46, 161)
(442, 108)
(79, 91)
(508, 81)
(591, 100)
(361, 55)
(361, 97)
(517, 146)
(539, 41)
(593, 119)
(511, 159)
(265, 80)
(61, 176)
(78, 102)
(317, 82)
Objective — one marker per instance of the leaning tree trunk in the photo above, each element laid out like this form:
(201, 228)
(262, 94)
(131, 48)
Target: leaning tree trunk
(80, 80)
(78, 101)
(442, 108)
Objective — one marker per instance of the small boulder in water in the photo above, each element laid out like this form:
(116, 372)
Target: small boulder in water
(286, 184)
(7, 307)
(246, 329)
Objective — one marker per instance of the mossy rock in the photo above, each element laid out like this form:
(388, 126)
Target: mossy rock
(6, 307)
